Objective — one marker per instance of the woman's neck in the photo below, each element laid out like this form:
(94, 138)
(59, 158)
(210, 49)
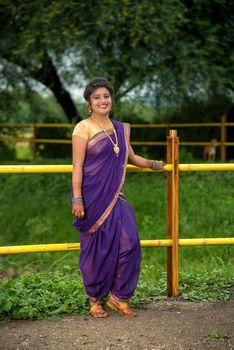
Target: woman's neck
(103, 119)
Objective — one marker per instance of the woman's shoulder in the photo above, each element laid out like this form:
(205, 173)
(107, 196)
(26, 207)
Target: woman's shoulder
(82, 128)
(83, 123)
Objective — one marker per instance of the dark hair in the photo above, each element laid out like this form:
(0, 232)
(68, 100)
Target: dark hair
(97, 83)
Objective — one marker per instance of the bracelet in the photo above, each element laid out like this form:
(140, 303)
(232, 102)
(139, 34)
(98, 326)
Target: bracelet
(156, 164)
(77, 200)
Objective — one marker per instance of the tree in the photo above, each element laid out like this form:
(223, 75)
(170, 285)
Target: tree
(172, 48)
(24, 46)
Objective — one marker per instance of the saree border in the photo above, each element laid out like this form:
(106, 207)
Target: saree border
(97, 137)
(106, 213)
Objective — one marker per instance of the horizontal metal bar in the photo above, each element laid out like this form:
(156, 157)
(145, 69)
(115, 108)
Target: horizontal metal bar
(207, 167)
(43, 248)
(134, 143)
(148, 143)
(130, 168)
(60, 168)
(206, 241)
(181, 125)
(37, 125)
(165, 125)
(50, 141)
(35, 169)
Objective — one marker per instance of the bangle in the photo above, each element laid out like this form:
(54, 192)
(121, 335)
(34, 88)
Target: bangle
(156, 164)
(77, 200)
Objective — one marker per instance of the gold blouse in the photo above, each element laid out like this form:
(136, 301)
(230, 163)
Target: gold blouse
(86, 129)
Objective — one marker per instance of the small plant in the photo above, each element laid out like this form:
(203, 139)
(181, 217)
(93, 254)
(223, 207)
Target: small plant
(217, 335)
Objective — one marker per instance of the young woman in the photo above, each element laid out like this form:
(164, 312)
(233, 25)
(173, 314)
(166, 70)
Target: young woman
(110, 251)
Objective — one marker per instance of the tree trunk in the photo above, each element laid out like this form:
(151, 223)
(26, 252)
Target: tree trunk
(48, 76)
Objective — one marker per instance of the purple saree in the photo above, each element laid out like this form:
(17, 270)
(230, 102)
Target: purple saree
(110, 251)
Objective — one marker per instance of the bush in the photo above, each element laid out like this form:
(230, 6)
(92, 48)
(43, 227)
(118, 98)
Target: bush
(7, 152)
(56, 150)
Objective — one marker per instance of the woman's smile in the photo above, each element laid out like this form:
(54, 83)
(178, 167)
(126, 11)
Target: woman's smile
(101, 101)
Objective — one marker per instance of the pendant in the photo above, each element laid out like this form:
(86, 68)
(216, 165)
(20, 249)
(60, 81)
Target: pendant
(116, 150)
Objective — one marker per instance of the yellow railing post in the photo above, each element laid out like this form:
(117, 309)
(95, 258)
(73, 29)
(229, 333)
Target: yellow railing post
(172, 212)
(223, 137)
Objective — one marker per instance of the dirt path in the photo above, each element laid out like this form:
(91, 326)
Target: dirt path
(165, 324)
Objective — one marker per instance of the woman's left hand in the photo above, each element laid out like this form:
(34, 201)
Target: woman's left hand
(158, 165)
(162, 165)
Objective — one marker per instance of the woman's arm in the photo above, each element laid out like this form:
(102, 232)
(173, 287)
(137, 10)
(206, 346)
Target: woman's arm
(141, 162)
(79, 145)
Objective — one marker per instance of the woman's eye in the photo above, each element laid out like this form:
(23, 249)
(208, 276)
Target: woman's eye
(97, 97)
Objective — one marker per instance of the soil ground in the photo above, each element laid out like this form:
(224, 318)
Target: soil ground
(164, 324)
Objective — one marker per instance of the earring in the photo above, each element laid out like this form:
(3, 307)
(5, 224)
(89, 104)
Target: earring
(89, 108)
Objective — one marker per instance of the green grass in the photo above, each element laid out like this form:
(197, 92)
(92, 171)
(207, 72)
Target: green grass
(35, 209)
(218, 335)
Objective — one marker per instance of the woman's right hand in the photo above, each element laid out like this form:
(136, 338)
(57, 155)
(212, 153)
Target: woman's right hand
(78, 210)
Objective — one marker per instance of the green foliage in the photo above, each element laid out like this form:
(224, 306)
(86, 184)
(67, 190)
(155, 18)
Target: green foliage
(208, 284)
(163, 50)
(43, 109)
(203, 109)
(200, 109)
(50, 294)
(26, 106)
(7, 152)
(54, 150)
(135, 111)
(45, 294)
(218, 335)
(206, 204)
(12, 106)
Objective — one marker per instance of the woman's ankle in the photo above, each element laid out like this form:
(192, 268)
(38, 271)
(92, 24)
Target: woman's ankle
(118, 299)
(93, 300)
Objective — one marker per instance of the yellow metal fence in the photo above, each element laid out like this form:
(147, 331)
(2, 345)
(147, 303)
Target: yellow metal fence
(172, 241)
(34, 140)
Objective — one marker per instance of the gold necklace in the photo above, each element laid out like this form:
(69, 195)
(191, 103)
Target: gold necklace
(115, 144)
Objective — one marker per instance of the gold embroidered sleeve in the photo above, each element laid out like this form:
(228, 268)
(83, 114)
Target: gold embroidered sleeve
(81, 130)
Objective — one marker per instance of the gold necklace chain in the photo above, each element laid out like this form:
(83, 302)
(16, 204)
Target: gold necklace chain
(115, 144)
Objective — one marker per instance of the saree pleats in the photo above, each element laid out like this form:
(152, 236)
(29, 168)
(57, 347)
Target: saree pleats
(110, 257)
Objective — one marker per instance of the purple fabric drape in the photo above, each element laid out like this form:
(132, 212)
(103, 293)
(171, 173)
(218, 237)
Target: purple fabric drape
(110, 251)
(103, 177)
(110, 258)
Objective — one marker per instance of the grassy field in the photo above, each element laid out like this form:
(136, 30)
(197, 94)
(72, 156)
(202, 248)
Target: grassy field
(35, 209)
